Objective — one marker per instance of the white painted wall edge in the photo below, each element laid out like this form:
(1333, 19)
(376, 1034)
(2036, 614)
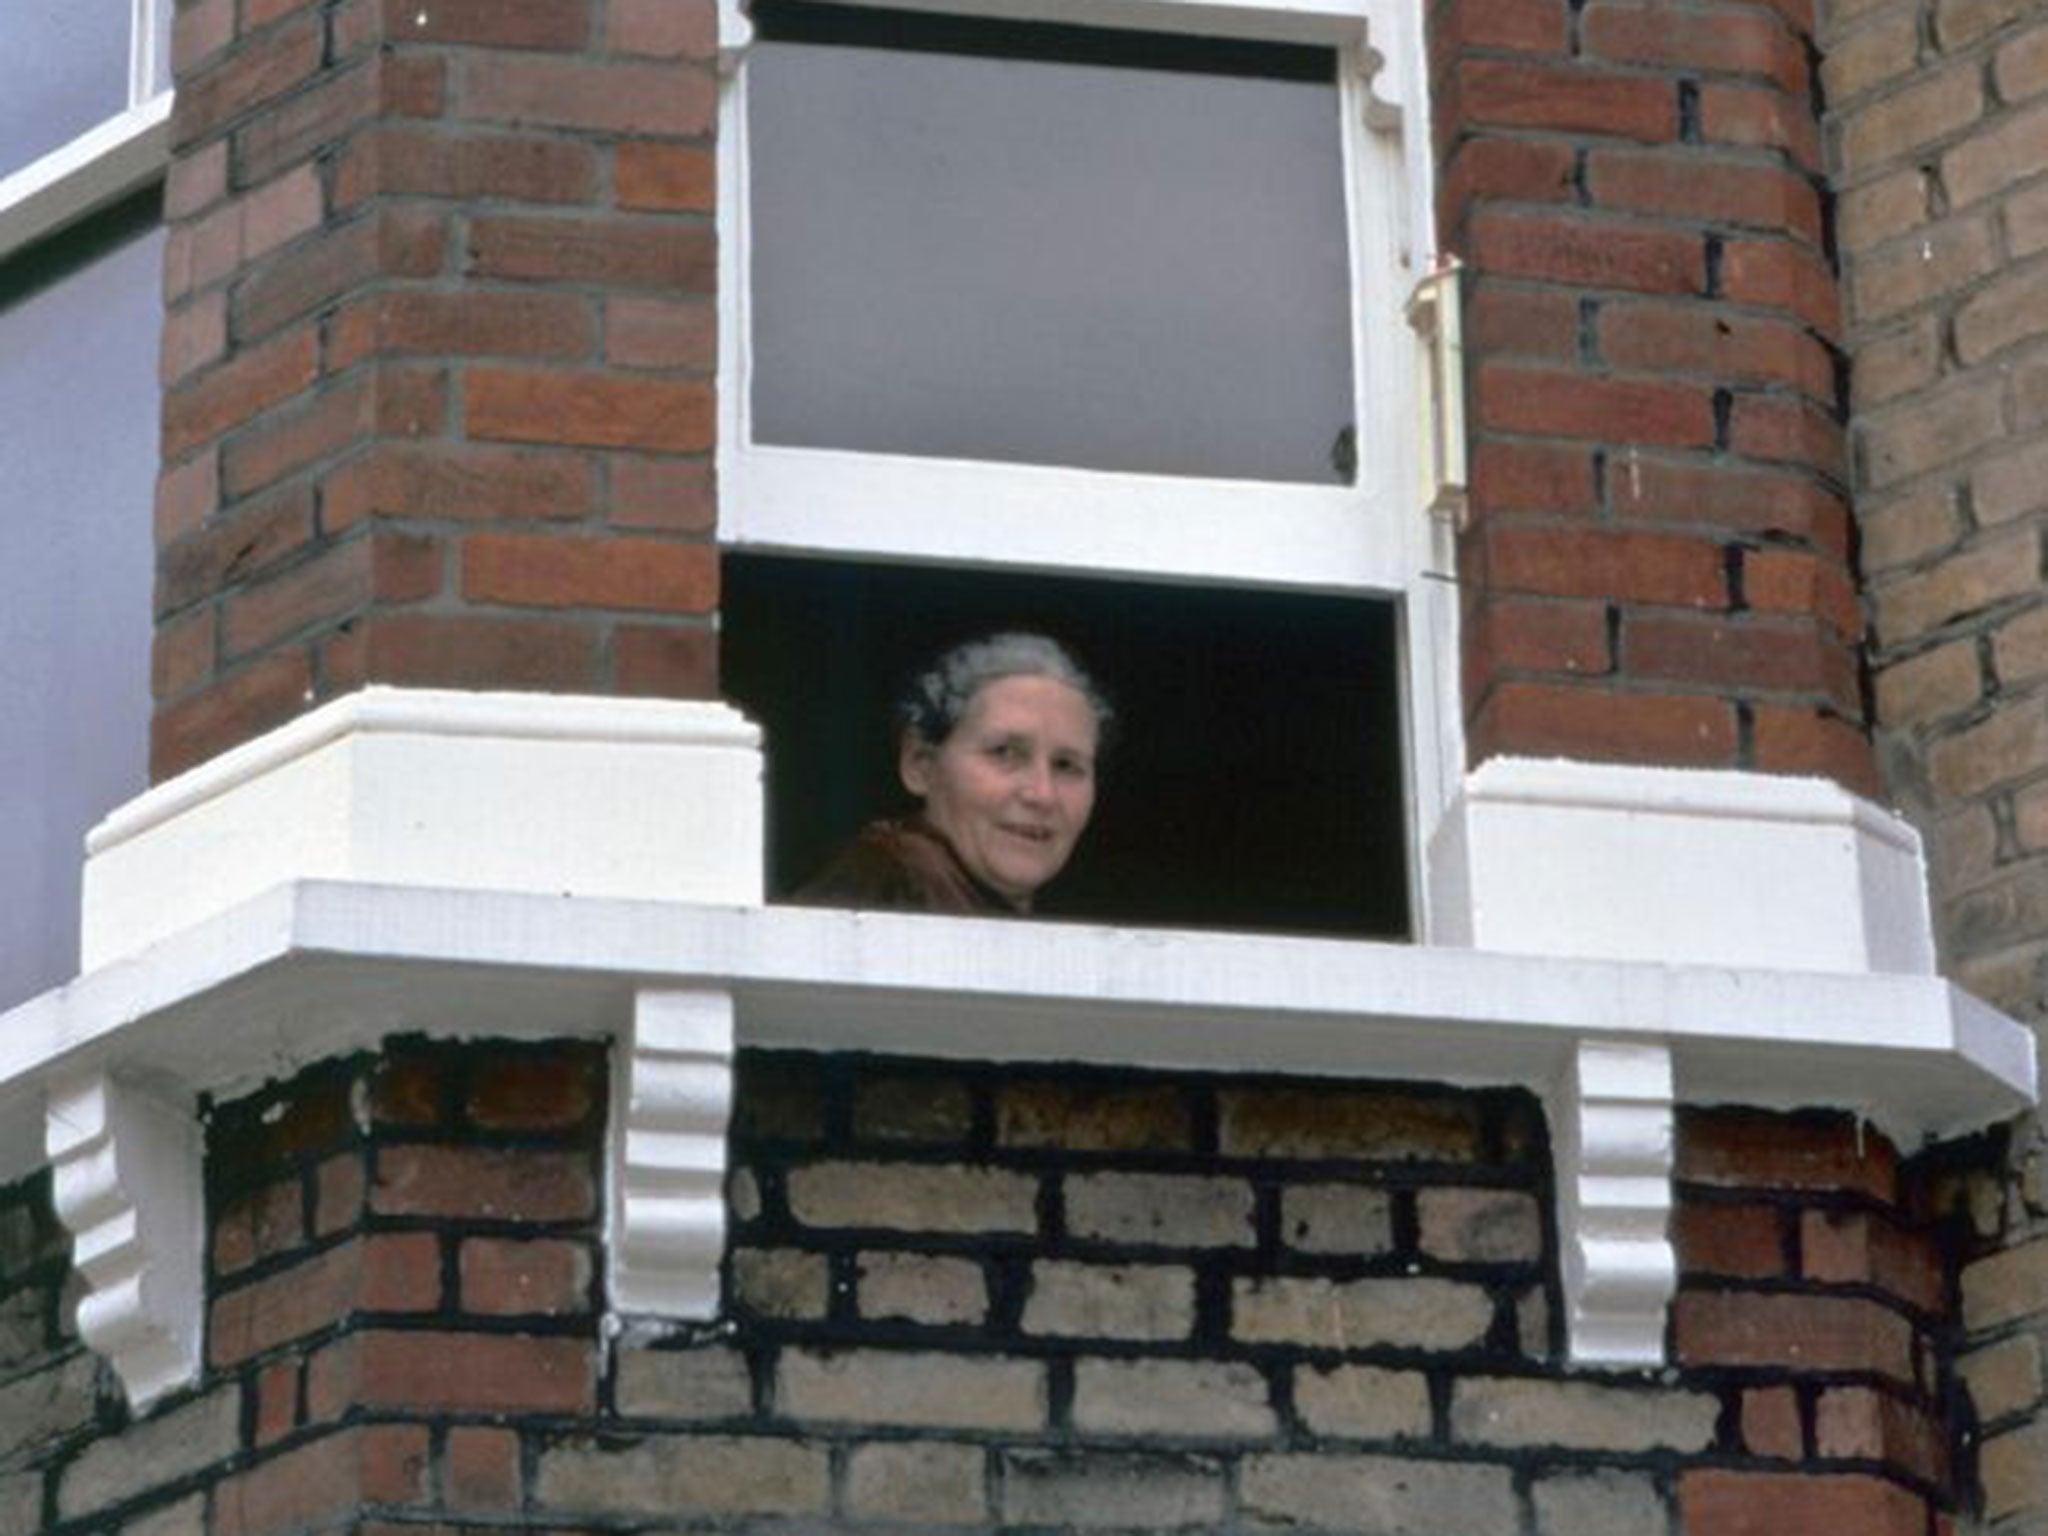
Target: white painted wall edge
(125, 153)
(312, 969)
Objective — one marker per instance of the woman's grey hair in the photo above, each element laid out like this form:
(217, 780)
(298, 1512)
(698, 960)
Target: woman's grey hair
(936, 701)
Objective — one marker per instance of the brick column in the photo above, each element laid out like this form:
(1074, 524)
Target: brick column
(438, 356)
(1657, 564)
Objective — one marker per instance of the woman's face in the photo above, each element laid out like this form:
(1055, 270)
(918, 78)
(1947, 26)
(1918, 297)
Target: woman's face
(1012, 787)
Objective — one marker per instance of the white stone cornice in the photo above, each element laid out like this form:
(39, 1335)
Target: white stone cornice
(670, 1106)
(126, 1182)
(1611, 1128)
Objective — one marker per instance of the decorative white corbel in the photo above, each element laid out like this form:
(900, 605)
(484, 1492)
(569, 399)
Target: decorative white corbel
(1611, 1128)
(1383, 113)
(671, 1103)
(126, 1179)
(735, 35)
(1435, 313)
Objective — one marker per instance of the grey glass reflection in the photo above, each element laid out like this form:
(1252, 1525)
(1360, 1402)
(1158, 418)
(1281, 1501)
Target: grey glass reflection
(63, 69)
(1048, 262)
(78, 439)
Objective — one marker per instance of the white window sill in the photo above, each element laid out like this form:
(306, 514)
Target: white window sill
(101, 166)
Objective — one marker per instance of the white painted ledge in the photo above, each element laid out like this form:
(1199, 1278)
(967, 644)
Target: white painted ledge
(547, 794)
(124, 154)
(1678, 865)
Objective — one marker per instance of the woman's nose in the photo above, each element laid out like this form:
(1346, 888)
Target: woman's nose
(1038, 781)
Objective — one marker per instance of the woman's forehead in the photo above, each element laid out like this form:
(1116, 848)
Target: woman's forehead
(1030, 701)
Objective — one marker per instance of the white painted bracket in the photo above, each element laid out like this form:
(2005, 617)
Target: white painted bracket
(735, 36)
(1611, 1135)
(671, 1104)
(126, 1176)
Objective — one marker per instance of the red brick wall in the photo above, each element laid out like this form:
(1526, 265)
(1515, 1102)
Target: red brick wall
(437, 357)
(1657, 567)
(984, 1297)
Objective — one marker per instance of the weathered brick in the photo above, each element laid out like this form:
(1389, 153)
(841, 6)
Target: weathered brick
(151, 1453)
(2010, 149)
(1582, 252)
(2009, 745)
(678, 661)
(1651, 568)
(780, 1282)
(1169, 1210)
(1861, 1423)
(1563, 99)
(2011, 309)
(912, 1109)
(1760, 117)
(474, 1372)
(2005, 1286)
(1991, 569)
(1729, 1503)
(1901, 530)
(2003, 1378)
(1597, 1503)
(1076, 1490)
(1961, 22)
(661, 28)
(237, 391)
(395, 158)
(458, 651)
(1822, 1333)
(2012, 1469)
(1415, 1313)
(1116, 1301)
(1381, 1493)
(1897, 363)
(469, 483)
(1487, 1226)
(514, 1277)
(1088, 1117)
(913, 1198)
(562, 25)
(1877, 211)
(1771, 1423)
(1363, 1402)
(698, 1383)
(924, 1481)
(481, 1468)
(907, 1388)
(482, 1182)
(46, 1404)
(613, 253)
(1909, 120)
(1336, 1218)
(244, 704)
(1885, 50)
(2010, 485)
(1943, 681)
(501, 324)
(625, 98)
(597, 410)
(263, 68)
(1558, 403)
(1667, 730)
(644, 332)
(249, 541)
(546, 571)
(1582, 1415)
(922, 1288)
(1191, 1398)
(1362, 1125)
(697, 1475)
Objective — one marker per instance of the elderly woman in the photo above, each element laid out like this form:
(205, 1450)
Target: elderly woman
(999, 740)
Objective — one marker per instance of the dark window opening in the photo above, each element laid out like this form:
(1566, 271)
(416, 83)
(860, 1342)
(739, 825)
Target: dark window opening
(1256, 781)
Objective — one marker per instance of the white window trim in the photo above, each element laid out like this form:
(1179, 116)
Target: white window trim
(117, 156)
(1375, 537)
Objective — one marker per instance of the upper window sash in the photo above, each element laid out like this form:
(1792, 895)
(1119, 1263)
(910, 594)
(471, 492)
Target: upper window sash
(1366, 536)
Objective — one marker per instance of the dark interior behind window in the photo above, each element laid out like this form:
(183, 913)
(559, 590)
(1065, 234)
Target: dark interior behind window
(1256, 781)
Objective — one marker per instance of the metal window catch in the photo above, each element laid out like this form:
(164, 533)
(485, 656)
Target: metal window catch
(1435, 313)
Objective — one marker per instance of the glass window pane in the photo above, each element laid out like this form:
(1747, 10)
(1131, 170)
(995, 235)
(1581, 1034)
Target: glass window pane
(1050, 260)
(64, 70)
(78, 440)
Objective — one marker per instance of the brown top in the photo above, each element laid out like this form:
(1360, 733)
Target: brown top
(902, 865)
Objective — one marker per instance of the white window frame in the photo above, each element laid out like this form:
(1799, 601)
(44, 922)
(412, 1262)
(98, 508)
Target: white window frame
(1375, 537)
(116, 156)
